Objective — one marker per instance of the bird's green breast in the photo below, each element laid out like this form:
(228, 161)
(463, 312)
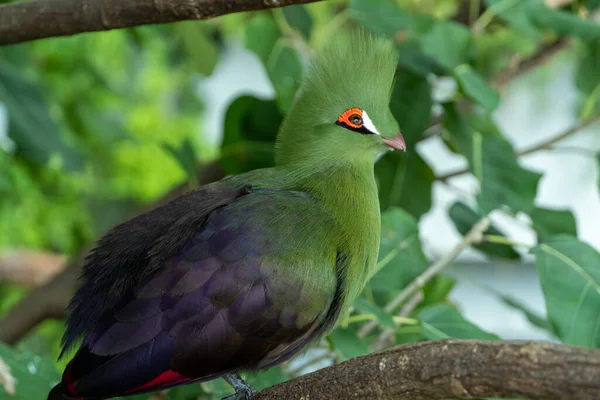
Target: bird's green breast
(349, 194)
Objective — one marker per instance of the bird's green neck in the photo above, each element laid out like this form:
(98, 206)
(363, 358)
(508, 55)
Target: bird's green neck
(349, 192)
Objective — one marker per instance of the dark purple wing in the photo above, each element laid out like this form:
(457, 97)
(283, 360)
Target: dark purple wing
(135, 250)
(246, 291)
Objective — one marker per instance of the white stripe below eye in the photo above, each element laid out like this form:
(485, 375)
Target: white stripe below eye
(368, 123)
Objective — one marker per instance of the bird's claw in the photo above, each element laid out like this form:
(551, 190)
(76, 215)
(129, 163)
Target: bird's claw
(241, 395)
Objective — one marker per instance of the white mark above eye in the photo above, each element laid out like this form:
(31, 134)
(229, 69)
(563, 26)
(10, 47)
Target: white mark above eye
(368, 123)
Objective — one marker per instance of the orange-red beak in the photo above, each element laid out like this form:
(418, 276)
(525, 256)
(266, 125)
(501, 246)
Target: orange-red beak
(397, 142)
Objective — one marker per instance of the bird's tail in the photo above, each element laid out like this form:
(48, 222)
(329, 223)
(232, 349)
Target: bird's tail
(59, 392)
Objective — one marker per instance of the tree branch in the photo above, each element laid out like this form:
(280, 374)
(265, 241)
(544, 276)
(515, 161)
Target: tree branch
(473, 236)
(29, 267)
(50, 300)
(453, 368)
(387, 337)
(547, 144)
(522, 66)
(37, 19)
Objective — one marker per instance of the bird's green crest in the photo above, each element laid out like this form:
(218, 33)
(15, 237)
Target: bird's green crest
(354, 69)
(353, 66)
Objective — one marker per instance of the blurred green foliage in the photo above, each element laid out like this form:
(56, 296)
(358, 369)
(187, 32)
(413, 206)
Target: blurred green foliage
(100, 124)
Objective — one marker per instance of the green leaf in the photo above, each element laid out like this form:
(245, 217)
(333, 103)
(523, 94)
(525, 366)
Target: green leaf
(531, 16)
(251, 118)
(299, 19)
(409, 334)
(250, 129)
(516, 13)
(475, 87)
(437, 289)
(588, 80)
(216, 389)
(185, 156)
(186, 392)
(285, 70)
(365, 307)
(547, 222)
(261, 35)
(380, 16)
(17, 56)
(30, 376)
(503, 182)
(561, 22)
(280, 59)
(198, 45)
(570, 279)
(347, 344)
(591, 4)
(247, 156)
(465, 218)
(411, 105)
(449, 43)
(30, 125)
(440, 321)
(485, 124)
(598, 168)
(405, 181)
(266, 378)
(401, 258)
(412, 57)
(383, 17)
(532, 316)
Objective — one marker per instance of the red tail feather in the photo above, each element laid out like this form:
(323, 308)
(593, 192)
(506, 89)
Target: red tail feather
(59, 392)
(166, 379)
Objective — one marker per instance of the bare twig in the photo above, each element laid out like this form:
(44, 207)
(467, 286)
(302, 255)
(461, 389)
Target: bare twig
(30, 267)
(445, 177)
(473, 236)
(548, 143)
(37, 19)
(520, 67)
(573, 150)
(545, 145)
(451, 368)
(386, 337)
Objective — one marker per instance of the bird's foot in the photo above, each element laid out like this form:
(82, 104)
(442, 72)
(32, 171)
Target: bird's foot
(243, 390)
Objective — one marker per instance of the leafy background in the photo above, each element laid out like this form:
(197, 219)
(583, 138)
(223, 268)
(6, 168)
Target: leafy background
(99, 125)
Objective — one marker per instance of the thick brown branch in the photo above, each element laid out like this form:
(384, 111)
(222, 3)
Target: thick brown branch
(450, 368)
(29, 267)
(50, 300)
(47, 301)
(38, 19)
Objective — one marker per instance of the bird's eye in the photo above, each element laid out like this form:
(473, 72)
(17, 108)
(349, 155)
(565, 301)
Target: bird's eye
(356, 119)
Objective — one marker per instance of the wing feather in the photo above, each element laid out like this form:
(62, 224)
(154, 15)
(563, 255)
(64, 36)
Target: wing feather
(245, 292)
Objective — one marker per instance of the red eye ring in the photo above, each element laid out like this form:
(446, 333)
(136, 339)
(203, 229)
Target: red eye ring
(352, 117)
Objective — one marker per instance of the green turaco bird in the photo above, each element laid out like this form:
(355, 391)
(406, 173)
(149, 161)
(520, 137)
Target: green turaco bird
(241, 274)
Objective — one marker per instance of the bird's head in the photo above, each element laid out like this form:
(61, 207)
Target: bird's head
(341, 112)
